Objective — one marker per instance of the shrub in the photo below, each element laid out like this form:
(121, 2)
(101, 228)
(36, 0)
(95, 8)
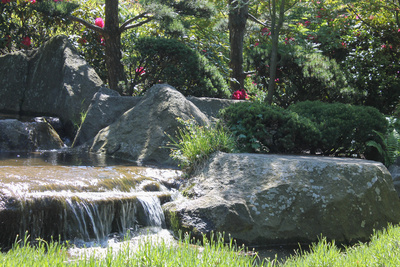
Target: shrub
(262, 128)
(344, 128)
(388, 146)
(194, 143)
(168, 60)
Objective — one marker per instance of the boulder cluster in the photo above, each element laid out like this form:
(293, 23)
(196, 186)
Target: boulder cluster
(257, 199)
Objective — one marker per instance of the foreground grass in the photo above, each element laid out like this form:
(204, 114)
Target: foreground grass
(383, 250)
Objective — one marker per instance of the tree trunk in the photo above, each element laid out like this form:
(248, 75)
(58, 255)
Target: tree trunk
(237, 25)
(115, 69)
(275, 29)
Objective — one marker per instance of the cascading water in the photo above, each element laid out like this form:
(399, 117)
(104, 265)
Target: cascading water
(78, 203)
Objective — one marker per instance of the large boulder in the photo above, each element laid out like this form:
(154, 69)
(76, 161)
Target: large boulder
(28, 136)
(141, 133)
(276, 199)
(13, 76)
(51, 81)
(105, 108)
(211, 106)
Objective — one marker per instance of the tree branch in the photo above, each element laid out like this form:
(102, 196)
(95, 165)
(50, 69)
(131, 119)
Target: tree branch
(355, 13)
(131, 26)
(87, 24)
(251, 17)
(127, 22)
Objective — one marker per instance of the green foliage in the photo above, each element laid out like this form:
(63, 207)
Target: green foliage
(345, 129)
(170, 61)
(388, 145)
(194, 144)
(55, 8)
(88, 42)
(263, 128)
(302, 74)
(22, 27)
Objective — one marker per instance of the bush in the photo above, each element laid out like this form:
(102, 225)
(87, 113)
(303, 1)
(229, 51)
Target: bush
(262, 128)
(345, 129)
(168, 60)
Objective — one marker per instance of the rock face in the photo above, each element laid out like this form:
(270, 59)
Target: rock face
(273, 199)
(53, 81)
(140, 134)
(27, 136)
(105, 108)
(211, 106)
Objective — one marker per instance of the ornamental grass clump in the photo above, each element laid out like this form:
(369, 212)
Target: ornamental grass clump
(195, 143)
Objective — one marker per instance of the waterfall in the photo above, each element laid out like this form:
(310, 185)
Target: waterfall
(79, 203)
(153, 213)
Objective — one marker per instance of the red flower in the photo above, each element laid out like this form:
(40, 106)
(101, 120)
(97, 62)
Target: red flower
(140, 71)
(240, 95)
(256, 44)
(5, 1)
(265, 31)
(26, 41)
(99, 22)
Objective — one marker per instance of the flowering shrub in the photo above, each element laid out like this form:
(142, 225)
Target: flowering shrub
(240, 95)
(27, 24)
(99, 22)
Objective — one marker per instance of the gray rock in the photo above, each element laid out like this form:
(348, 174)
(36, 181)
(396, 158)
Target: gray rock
(141, 133)
(13, 76)
(105, 108)
(211, 106)
(27, 136)
(274, 199)
(52, 81)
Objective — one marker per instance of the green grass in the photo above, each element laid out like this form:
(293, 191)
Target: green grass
(382, 250)
(194, 143)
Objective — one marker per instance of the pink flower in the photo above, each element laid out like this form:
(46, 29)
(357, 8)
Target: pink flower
(99, 22)
(383, 46)
(256, 44)
(140, 71)
(102, 41)
(33, 1)
(26, 41)
(265, 31)
(240, 95)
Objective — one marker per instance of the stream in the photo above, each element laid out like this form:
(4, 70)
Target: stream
(85, 199)
(89, 200)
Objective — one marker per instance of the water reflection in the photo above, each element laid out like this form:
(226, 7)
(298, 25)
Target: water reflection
(57, 158)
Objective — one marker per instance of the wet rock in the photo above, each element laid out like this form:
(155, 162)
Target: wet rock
(141, 133)
(274, 199)
(28, 136)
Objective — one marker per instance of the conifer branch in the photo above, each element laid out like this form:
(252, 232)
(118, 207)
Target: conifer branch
(87, 24)
(126, 25)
